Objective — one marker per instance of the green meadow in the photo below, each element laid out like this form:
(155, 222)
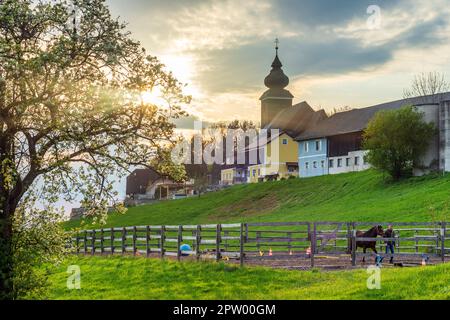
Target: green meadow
(359, 196)
(363, 196)
(141, 278)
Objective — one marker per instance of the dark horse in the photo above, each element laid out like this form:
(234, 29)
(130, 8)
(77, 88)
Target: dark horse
(372, 233)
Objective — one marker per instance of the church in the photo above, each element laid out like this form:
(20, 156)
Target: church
(311, 143)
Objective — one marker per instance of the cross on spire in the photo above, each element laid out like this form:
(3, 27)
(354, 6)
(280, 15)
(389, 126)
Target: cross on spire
(277, 42)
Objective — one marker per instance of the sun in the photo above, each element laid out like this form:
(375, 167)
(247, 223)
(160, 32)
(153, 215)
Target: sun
(152, 97)
(182, 67)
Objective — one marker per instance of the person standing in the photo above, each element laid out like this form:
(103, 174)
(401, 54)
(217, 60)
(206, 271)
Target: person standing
(389, 233)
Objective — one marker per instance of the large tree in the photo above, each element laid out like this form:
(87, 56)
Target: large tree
(396, 140)
(71, 113)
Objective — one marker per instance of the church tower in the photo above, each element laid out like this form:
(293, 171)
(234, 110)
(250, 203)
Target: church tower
(276, 98)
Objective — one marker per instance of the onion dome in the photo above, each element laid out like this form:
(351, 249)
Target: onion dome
(276, 78)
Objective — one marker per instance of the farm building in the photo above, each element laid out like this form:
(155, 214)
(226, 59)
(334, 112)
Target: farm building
(334, 144)
(147, 185)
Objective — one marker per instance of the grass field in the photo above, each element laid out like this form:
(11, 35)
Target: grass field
(140, 278)
(361, 196)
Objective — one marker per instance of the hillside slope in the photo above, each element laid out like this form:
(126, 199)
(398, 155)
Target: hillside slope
(361, 196)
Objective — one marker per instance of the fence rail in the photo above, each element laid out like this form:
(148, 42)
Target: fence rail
(264, 241)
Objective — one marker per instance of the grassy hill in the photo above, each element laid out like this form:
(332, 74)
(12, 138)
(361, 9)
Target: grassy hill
(141, 278)
(360, 196)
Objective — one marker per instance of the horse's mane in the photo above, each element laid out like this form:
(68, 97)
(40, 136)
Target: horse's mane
(370, 230)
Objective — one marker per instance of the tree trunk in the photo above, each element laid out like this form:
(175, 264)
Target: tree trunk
(6, 254)
(9, 201)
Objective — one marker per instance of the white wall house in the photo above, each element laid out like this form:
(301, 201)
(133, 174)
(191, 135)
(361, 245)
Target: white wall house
(352, 161)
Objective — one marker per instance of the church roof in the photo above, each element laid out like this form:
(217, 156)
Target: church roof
(294, 120)
(357, 119)
(276, 78)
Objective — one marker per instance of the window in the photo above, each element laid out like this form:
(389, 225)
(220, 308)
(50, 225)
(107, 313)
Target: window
(339, 163)
(365, 159)
(315, 164)
(254, 172)
(291, 169)
(356, 161)
(347, 162)
(318, 145)
(259, 172)
(285, 141)
(305, 146)
(306, 165)
(322, 163)
(331, 163)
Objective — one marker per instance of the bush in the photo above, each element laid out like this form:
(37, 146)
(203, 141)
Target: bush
(396, 140)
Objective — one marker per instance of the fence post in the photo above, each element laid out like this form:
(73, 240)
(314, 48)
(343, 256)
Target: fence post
(102, 235)
(158, 243)
(438, 237)
(443, 241)
(112, 241)
(147, 240)
(226, 233)
(416, 240)
(198, 239)
(162, 239)
(246, 232)
(313, 244)
(93, 242)
(289, 234)
(353, 247)
(241, 245)
(258, 244)
(85, 242)
(218, 238)
(124, 238)
(134, 240)
(179, 239)
(308, 235)
(349, 238)
(77, 243)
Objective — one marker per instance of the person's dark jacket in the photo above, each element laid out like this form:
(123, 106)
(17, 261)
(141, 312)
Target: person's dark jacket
(389, 233)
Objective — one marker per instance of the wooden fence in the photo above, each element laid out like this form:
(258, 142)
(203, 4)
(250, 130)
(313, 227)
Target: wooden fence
(265, 241)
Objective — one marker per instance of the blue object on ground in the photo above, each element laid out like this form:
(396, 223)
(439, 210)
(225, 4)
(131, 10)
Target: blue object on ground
(185, 247)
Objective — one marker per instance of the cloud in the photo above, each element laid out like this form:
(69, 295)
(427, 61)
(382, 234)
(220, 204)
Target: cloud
(324, 50)
(320, 12)
(228, 44)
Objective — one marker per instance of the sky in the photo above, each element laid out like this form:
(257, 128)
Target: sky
(336, 53)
